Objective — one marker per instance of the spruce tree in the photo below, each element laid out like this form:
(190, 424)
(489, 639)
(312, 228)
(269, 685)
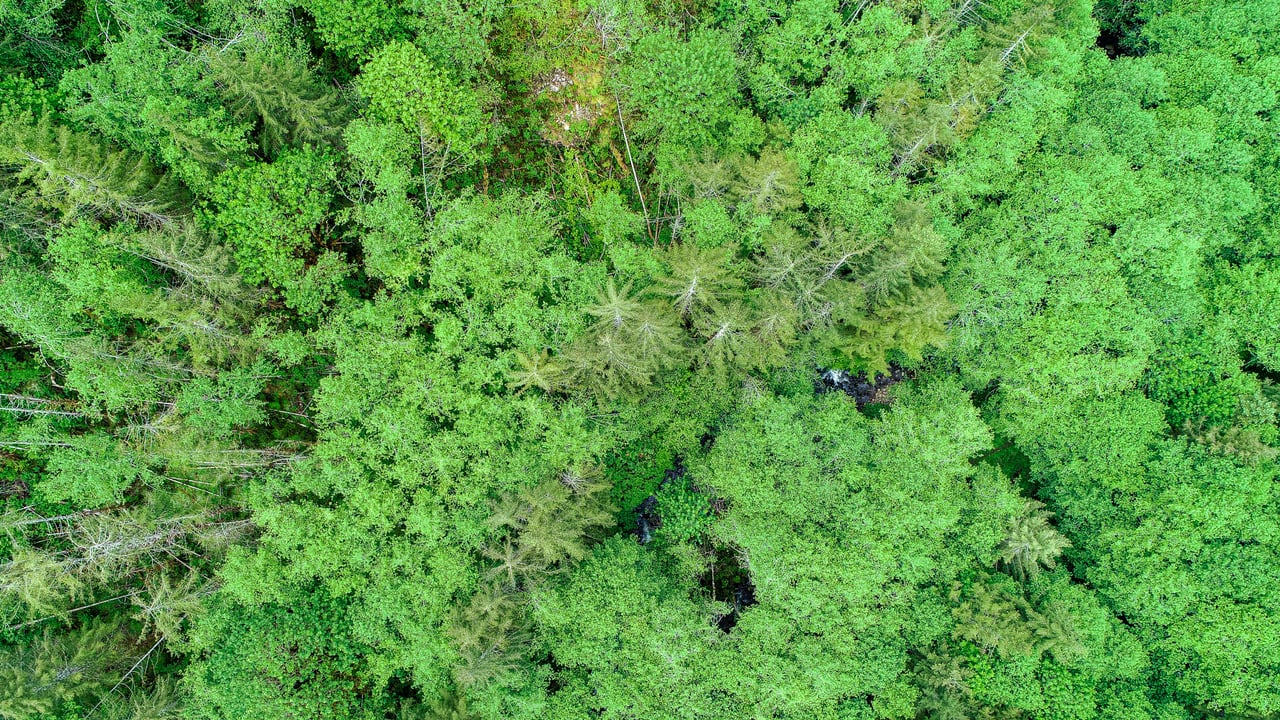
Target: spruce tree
(198, 264)
(39, 583)
(992, 618)
(487, 636)
(1056, 633)
(165, 604)
(769, 184)
(630, 340)
(281, 96)
(1031, 542)
(161, 701)
(943, 679)
(56, 168)
(700, 280)
(911, 257)
(727, 338)
(54, 669)
(540, 371)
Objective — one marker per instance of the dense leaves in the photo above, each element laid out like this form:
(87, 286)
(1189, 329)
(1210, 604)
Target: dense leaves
(615, 359)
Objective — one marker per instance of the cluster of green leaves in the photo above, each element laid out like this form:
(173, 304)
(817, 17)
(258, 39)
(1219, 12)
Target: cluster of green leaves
(478, 360)
(1100, 270)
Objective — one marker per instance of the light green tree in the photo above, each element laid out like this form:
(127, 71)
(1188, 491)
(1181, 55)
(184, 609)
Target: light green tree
(53, 168)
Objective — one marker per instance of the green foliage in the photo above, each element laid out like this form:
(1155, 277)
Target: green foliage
(499, 279)
(820, 565)
(863, 298)
(20, 95)
(220, 407)
(685, 89)
(550, 523)
(1195, 378)
(267, 213)
(392, 225)
(36, 581)
(685, 512)
(276, 660)
(624, 632)
(279, 96)
(542, 530)
(356, 29)
(992, 619)
(152, 95)
(1244, 443)
(91, 471)
(611, 219)
(700, 281)
(404, 86)
(52, 168)
(483, 360)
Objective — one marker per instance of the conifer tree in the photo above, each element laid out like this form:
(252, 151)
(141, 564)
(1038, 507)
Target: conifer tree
(701, 279)
(706, 177)
(56, 168)
(198, 263)
(727, 338)
(784, 259)
(1056, 633)
(615, 308)
(911, 257)
(909, 326)
(861, 296)
(838, 252)
(972, 92)
(165, 604)
(487, 635)
(775, 322)
(1243, 443)
(656, 335)
(630, 340)
(540, 371)
(552, 521)
(1031, 542)
(39, 582)
(54, 669)
(607, 364)
(83, 556)
(281, 96)
(770, 183)
(543, 529)
(161, 701)
(944, 683)
(992, 618)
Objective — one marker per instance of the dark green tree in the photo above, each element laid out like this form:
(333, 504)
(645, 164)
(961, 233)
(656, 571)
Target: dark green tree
(1032, 542)
(280, 96)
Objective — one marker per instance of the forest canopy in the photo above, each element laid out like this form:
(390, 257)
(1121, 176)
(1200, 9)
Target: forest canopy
(636, 359)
